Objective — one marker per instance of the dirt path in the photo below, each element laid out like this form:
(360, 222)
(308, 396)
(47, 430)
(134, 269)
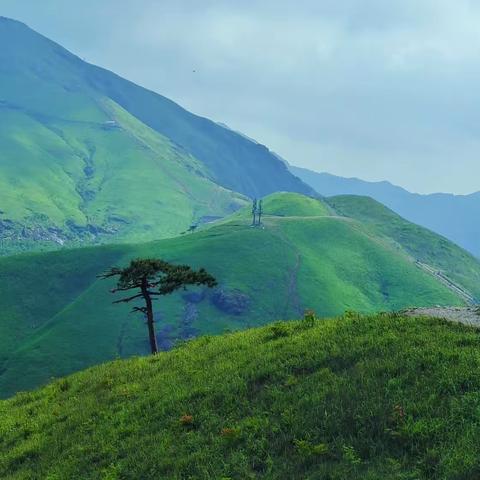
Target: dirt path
(442, 278)
(466, 315)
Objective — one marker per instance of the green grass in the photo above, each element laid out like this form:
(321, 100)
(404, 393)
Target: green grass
(380, 397)
(56, 317)
(288, 204)
(420, 243)
(83, 183)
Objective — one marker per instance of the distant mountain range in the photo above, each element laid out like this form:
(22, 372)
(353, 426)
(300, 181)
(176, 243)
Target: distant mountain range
(88, 157)
(457, 217)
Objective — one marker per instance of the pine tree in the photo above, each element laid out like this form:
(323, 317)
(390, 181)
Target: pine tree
(151, 278)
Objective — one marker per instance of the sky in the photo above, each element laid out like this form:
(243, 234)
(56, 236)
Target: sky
(375, 89)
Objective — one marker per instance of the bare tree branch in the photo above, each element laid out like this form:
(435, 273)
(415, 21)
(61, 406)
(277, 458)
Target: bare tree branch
(124, 289)
(139, 309)
(114, 271)
(128, 299)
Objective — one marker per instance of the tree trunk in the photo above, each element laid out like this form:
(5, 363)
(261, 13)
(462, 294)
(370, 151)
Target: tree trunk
(150, 323)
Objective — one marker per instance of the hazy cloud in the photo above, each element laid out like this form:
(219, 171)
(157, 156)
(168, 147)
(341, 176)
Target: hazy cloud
(367, 88)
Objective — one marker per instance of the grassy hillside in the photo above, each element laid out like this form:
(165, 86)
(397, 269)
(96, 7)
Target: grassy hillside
(87, 182)
(78, 168)
(383, 397)
(232, 160)
(284, 204)
(88, 157)
(56, 317)
(420, 243)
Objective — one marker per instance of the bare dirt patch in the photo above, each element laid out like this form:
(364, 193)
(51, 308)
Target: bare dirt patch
(466, 315)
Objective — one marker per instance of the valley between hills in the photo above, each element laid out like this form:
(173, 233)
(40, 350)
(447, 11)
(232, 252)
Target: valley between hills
(334, 255)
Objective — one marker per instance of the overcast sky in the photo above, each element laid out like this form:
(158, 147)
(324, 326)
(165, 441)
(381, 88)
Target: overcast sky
(377, 89)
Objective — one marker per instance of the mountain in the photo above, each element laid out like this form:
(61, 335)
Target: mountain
(88, 157)
(349, 254)
(385, 397)
(453, 216)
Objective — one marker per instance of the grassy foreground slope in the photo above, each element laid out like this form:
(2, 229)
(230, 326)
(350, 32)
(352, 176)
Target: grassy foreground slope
(382, 397)
(56, 317)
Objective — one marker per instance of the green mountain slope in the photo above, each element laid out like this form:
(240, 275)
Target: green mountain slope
(87, 157)
(81, 182)
(232, 160)
(356, 397)
(311, 258)
(420, 243)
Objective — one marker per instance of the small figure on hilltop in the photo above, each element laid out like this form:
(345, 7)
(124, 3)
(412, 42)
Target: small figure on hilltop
(257, 211)
(260, 212)
(254, 212)
(151, 278)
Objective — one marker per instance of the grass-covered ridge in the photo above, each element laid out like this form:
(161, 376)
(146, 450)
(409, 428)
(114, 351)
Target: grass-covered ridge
(356, 397)
(307, 260)
(288, 204)
(419, 242)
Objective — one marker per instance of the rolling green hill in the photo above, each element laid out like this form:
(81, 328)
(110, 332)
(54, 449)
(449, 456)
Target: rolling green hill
(444, 213)
(420, 243)
(87, 157)
(56, 317)
(383, 397)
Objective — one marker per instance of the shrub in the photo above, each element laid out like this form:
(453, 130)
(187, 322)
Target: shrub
(309, 318)
(279, 330)
(350, 455)
(307, 449)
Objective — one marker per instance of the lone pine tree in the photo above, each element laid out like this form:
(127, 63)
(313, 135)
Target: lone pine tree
(151, 278)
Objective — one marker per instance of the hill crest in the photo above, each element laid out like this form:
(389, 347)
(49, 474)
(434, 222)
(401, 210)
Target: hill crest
(338, 398)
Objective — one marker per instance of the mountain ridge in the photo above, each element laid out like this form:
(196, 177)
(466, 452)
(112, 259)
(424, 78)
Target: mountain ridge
(450, 215)
(74, 135)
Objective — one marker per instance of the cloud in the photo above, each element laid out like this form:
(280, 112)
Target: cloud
(368, 88)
